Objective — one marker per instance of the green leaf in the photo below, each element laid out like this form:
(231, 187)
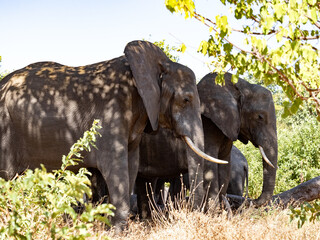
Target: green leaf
(220, 79)
(312, 2)
(295, 106)
(203, 48)
(183, 6)
(227, 48)
(268, 23)
(234, 78)
(182, 48)
(279, 10)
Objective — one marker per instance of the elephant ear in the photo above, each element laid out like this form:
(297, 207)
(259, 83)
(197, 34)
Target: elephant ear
(147, 62)
(220, 104)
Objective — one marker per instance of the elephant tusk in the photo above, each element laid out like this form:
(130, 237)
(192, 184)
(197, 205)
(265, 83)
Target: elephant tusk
(202, 154)
(264, 156)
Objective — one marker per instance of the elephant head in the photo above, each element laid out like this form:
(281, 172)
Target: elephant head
(246, 112)
(169, 93)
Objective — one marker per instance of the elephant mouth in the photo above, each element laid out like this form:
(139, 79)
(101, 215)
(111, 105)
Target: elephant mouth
(243, 139)
(201, 153)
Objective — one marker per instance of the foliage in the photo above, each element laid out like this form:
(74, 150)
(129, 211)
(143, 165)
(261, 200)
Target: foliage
(40, 202)
(2, 75)
(299, 155)
(279, 47)
(307, 212)
(170, 50)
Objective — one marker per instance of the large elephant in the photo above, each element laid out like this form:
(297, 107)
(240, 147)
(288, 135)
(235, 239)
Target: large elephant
(241, 111)
(46, 106)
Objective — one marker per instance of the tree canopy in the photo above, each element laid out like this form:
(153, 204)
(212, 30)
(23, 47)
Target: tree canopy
(280, 46)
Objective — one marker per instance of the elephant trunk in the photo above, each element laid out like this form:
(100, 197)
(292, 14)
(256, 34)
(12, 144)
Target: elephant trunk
(269, 171)
(196, 155)
(195, 165)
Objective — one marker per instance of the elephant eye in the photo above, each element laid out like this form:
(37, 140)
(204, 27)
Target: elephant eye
(187, 99)
(260, 117)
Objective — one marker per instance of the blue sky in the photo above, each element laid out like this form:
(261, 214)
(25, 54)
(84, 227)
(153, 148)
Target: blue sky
(88, 31)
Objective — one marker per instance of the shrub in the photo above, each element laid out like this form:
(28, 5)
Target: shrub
(299, 150)
(40, 203)
(308, 212)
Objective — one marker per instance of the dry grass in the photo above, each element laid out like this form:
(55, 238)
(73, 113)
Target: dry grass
(250, 224)
(185, 224)
(177, 221)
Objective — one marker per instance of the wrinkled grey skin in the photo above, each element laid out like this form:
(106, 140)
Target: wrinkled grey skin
(241, 111)
(45, 107)
(238, 174)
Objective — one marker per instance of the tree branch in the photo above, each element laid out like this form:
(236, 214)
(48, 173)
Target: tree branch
(312, 92)
(304, 192)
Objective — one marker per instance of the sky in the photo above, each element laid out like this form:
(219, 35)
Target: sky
(83, 32)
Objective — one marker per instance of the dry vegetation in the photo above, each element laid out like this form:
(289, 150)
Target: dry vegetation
(250, 224)
(183, 224)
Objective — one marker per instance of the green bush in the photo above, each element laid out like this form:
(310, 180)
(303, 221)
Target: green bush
(307, 212)
(299, 150)
(40, 204)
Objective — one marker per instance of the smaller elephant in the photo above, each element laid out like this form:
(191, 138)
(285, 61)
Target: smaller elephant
(238, 179)
(239, 173)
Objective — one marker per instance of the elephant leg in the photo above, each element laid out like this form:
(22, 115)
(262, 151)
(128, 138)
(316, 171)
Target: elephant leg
(143, 190)
(211, 178)
(212, 140)
(133, 161)
(219, 146)
(133, 156)
(142, 200)
(98, 186)
(115, 172)
(175, 188)
(225, 170)
(159, 191)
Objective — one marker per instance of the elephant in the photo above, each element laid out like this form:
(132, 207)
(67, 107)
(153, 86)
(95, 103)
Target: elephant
(238, 182)
(241, 111)
(46, 106)
(239, 173)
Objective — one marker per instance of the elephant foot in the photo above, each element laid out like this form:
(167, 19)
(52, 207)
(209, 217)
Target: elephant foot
(119, 227)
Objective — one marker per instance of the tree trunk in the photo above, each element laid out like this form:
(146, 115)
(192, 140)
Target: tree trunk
(304, 192)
